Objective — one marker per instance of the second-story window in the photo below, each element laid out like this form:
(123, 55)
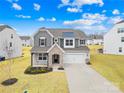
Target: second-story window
(122, 39)
(69, 42)
(82, 42)
(42, 41)
(120, 30)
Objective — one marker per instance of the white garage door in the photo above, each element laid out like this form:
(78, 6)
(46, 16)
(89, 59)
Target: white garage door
(74, 57)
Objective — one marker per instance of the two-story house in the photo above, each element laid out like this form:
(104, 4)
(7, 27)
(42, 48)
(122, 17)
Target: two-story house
(53, 47)
(10, 43)
(26, 41)
(95, 39)
(114, 40)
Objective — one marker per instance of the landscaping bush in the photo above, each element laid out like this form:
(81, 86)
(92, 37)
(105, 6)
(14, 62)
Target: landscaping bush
(60, 68)
(37, 70)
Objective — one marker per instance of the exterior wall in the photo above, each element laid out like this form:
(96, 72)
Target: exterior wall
(36, 62)
(112, 41)
(49, 39)
(77, 43)
(98, 41)
(5, 39)
(27, 43)
(95, 42)
(55, 50)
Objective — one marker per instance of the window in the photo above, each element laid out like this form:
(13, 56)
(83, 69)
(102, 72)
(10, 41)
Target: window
(42, 41)
(11, 36)
(10, 44)
(42, 56)
(82, 42)
(122, 39)
(120, 49)
(69, 42)
(120, 30)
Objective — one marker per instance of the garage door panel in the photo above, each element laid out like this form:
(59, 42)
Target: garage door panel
(74, 58)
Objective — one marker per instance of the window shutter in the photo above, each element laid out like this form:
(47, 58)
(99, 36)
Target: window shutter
(39, 42)
(45, 42)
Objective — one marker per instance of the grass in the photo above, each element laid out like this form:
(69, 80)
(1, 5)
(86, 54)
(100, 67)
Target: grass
(53, 82)
(109, 66)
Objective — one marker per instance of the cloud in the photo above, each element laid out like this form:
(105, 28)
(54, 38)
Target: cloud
(74, 10)
(95, 28)
(87, 19)
(104, 11)
(79, 3)
(23, 16)
(96, 16)
(37, 7)
(53, 19)
(41, 19)
(80, 22)
(16, 6)
(114, 20)
(116, 12)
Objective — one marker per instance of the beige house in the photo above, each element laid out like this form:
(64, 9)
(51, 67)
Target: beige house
(54, 47)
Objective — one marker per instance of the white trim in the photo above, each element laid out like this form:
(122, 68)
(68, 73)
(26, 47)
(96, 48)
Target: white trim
(49, 33)
(44, 41)
(42, 38)
(54, 46)
(44, 30)
(69, 46)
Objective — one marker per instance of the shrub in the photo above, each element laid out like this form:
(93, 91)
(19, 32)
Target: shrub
(37, 70)
(60, 68)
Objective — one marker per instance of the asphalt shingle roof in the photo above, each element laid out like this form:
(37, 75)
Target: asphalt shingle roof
(25, 37)
(2, 27)
(59, 32)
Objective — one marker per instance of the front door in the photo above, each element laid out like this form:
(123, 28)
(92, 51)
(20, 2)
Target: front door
(55, 59)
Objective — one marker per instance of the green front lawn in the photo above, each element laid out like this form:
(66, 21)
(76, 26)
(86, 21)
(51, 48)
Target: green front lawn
(53, 82)
(110, 66)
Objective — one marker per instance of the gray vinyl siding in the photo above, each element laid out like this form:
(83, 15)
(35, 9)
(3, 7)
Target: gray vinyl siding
(49, 39)
(61, 42)
(76, 43)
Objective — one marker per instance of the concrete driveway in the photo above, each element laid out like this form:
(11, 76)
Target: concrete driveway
(83, 79)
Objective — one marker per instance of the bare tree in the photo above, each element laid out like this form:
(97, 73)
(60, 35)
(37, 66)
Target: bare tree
(9, 50)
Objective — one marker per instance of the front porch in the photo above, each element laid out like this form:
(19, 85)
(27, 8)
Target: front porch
(52, 57)
(46, 60)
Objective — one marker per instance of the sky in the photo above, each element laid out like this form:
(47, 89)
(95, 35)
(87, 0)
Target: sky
(90, 16)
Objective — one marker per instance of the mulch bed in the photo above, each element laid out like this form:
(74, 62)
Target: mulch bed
(10, 81)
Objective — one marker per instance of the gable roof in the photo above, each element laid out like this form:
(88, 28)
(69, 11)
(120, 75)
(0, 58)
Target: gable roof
(54, 46)
(25, 37)
(120, 22)
(94, 36)
(59, 32)
(2, 27)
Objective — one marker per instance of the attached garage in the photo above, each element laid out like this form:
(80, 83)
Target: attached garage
(75, 57)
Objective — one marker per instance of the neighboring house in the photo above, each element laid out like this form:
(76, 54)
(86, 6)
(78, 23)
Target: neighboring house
(10, 43)
(114, 40)
(95, 40)
(26, 41)
(53, 47)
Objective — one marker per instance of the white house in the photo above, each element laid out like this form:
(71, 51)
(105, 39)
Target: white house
(10, 43)
(114, 40)
(26, 41)
(95, 40)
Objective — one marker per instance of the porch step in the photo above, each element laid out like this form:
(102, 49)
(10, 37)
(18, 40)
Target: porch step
(56, 69)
